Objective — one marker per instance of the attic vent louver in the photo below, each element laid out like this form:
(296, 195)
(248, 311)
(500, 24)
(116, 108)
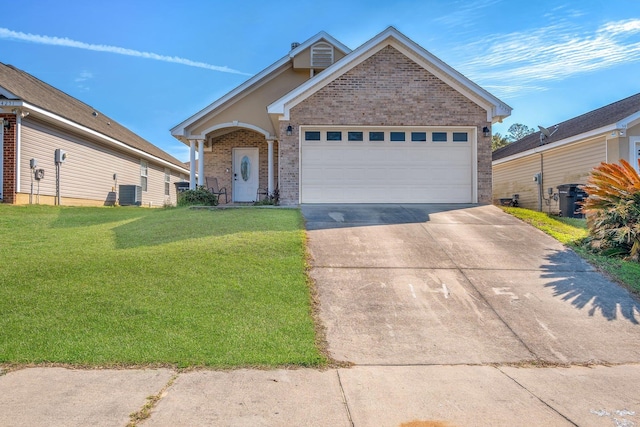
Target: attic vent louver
(321, 55)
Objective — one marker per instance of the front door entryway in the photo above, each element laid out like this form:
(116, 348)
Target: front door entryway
(245, 174)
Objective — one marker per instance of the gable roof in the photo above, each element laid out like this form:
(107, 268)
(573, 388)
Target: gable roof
(616, 116)
(496, 109)
(179, 131)
(41, 98)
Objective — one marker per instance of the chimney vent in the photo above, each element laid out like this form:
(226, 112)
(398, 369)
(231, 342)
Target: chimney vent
(294, 45)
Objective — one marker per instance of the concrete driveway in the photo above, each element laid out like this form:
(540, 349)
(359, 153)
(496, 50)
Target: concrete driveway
(440, 284)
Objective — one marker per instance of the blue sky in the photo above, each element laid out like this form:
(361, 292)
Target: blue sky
(151, 64)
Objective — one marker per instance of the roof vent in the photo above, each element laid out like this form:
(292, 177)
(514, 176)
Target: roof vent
(321, 55)
(294, 45)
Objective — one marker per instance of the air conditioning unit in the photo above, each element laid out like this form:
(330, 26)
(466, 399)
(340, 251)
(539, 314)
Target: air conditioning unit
(130, 195)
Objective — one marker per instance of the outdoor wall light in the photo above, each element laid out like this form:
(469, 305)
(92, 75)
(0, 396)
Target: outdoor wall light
(6, 124)
(289, 130)
(486, 131)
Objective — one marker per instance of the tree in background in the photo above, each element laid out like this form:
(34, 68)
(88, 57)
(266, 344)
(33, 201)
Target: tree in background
(518, 131)
(498, 141)
(515, 132)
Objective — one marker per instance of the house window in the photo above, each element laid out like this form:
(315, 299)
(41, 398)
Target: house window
(355, 136)
(418, 136)
(460, 137)
(321, 55)
(397, 136)
(334, 136)
(376, 136)
(167, 182)
(144, 174)
(312, 136)
(439, 137)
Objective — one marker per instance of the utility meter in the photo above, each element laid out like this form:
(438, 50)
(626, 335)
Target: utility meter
(60, 156)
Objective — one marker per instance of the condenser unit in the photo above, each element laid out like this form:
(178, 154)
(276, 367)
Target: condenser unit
(130, 195)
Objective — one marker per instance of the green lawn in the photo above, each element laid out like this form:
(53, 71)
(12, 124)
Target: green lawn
(129, 286)
(571, 232)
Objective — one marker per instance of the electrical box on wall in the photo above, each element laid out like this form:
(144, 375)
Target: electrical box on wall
(60, 155)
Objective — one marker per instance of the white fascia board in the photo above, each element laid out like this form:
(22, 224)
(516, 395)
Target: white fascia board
(180, 129)
(629, 121)
(582, 137)
(493, 105)
(102, 137)
(321, 35)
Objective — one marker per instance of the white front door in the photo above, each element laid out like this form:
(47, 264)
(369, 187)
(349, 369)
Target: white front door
(245, 174)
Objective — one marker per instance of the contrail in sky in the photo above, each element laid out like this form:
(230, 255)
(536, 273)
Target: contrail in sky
(5, 33)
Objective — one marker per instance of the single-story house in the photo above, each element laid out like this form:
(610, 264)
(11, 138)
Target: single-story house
(54, 149)
(387, 122)
(534, 166)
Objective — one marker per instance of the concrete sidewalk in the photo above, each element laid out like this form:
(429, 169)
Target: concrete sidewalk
(360, 396)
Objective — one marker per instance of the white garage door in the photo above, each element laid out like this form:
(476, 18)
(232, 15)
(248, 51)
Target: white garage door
(385, 165)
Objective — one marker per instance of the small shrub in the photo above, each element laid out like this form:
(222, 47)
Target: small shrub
(272, 199)
(198, 197)
(613, 209)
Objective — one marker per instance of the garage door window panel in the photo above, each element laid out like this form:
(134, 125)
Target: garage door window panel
(334, 136)
(460, 137)
(398, 137)
(418, 137)
(439, 137)
(312, 136)
(355, 136)
(376, 136)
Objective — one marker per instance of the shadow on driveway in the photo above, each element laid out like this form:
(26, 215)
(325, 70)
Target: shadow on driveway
(583, 288)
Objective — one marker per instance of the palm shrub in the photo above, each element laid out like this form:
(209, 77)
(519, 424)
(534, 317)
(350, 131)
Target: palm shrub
(613, 209)
(200, 196)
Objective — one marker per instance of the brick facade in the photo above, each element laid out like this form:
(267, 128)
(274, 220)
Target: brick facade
(9, 163)
(387, 89)
(218, 162)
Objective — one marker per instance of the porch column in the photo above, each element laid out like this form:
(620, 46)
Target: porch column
(192, 164)
(270, 165)
(200, 162)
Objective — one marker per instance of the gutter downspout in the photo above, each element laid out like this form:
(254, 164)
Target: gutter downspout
(18, 149)
(540, 186)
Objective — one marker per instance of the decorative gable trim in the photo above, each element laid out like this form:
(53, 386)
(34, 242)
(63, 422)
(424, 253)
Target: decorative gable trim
(496, 109)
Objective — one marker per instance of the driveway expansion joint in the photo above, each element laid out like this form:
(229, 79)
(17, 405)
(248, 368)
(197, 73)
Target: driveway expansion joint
(537, 397)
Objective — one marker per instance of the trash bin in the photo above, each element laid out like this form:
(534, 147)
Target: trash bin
(570, 198)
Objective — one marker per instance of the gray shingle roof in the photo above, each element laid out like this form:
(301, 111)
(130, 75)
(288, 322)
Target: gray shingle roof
(38, 93)
(595, 119)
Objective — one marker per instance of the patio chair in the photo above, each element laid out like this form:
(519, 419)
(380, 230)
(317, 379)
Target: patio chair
(212, 185)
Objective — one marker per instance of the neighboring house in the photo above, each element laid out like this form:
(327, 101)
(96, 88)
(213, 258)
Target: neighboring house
(387, 123)
(568, 155)
(98, 154)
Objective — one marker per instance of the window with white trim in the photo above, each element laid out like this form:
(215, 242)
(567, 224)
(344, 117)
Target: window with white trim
(321, 55)
(167, 182)
(144, 174)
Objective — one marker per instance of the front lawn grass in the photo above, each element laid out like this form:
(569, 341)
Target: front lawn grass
(133, 286)
(572, 232)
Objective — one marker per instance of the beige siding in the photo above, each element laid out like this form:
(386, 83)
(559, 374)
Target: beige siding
(88, 172)
(564, 165)
(252, 108)
(516, 177)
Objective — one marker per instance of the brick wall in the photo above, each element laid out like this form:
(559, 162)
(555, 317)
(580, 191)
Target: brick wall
(387, 89)
(9, 164)
(220, 158)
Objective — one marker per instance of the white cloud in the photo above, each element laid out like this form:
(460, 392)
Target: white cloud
(58, 41)
(555, 52)
(82, 78)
